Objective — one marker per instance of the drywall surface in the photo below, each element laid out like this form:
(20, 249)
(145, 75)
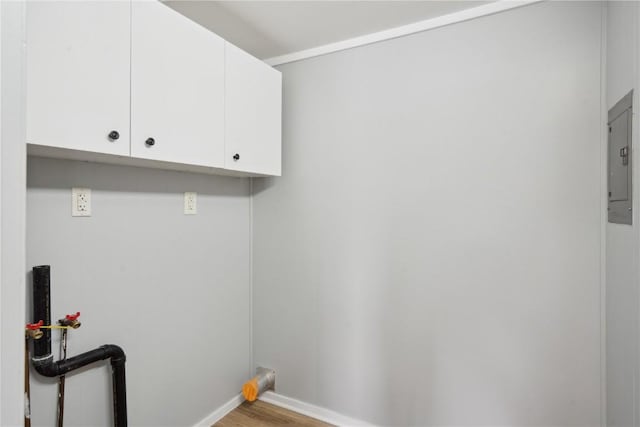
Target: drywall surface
(12, 227)
(431, 254)
(622, 240)
(171, 289)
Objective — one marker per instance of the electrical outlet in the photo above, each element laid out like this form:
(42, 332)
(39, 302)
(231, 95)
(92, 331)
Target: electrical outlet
(80, 202)
(190, 203)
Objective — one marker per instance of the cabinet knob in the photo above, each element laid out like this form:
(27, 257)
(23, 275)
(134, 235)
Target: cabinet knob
(114, 135)
(236, 157)
(150, 142)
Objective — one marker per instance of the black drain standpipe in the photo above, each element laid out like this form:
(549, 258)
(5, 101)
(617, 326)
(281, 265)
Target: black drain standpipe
(43, 358)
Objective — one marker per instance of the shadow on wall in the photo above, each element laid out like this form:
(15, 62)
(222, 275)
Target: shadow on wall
(262, 184)
(103, 177)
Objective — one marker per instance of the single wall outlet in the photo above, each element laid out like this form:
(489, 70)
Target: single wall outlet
(80, 202)
(190, 203)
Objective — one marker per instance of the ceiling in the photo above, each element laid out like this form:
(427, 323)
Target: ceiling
(273, 28)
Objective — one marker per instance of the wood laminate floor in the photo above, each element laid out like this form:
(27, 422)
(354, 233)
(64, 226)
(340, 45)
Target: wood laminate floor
(264, 414)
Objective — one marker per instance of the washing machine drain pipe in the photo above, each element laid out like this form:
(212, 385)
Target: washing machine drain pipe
(42, 358)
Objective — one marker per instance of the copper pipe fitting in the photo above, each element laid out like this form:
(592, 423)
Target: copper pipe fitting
(75, 324)
(35, 334)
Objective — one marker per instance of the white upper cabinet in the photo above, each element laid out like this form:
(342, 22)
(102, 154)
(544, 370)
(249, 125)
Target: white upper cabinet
(177, 88)
(140, 81)
(78, 75)
(253, 114)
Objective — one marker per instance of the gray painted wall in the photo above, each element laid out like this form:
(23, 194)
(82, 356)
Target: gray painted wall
(431, 254)
(12, 214)
(172, 289)
(622, 240)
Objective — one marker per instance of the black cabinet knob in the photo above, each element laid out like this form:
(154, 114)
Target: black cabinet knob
(150, 142)
(236, 157)
(113, 135)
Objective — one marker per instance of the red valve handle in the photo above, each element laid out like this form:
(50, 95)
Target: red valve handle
(72, 316)
(35, 326)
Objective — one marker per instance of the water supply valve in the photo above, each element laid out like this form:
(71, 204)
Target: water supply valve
(71, 320)
(33, 330)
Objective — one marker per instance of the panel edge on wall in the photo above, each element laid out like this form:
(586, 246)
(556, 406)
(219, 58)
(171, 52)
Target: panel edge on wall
(252, 367)
(603, 215)
(310, 410)
(13, 201)
(404, 30)
(221, 411)
(635, 132)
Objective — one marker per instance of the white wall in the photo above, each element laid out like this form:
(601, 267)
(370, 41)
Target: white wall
(12, 225)
(172, 289)
(431, 254)
(622, 240)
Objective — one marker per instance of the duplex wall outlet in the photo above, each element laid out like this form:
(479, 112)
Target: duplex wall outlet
(80, 201)
(190, 203)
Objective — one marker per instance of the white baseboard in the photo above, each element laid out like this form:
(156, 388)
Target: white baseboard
(310, 410)
(219, 413)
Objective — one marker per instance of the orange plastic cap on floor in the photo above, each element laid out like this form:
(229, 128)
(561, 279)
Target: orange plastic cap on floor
(250, 389)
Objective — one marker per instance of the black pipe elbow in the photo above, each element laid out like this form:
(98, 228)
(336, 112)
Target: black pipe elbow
(116, 354)
(49, 368)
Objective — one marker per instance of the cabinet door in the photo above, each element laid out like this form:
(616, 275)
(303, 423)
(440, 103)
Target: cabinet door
(177, 88)
(253, 114)
(77, 70)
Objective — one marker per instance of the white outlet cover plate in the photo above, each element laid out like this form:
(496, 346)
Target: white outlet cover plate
(80, 201)
(190, 203)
